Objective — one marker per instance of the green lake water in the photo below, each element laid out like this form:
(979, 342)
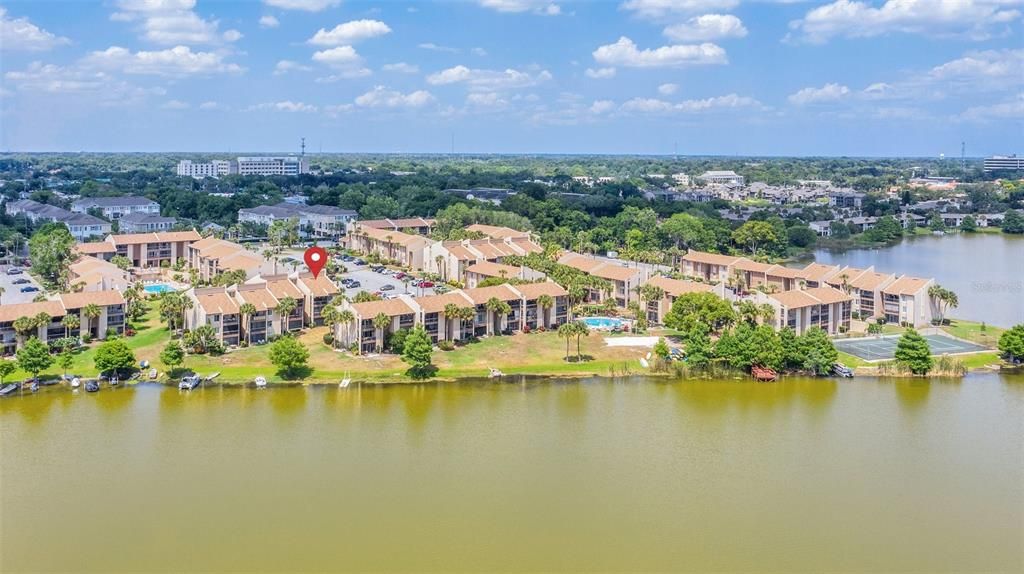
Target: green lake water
(635, 474)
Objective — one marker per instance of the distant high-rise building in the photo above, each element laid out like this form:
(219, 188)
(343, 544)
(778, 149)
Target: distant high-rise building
(215, 168)
(255, 165)
(1004, 163)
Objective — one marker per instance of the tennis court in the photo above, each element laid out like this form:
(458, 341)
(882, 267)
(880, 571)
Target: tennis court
(882, 348)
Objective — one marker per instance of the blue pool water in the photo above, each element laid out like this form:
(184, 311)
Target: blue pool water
(602, 322)
(158, 288)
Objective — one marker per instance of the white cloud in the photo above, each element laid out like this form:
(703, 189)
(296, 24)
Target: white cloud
(269, 21)
(285, 66)
(175, 105)
(706, 27)
(625, 53)
(401, 68)
(602, 106)
(600, 73)
(655, 9)
(486, 100)
(987, 65)
(381, 97)
(478, 52)
(345, 60)
(20, 34)
(543, 7)
(668, 89)
(350, 33)
(1009, 110)
(488, 80)
(653, 105)
(284, 106)
(437, 48)
(211, 106)
(974, 19)
(304, 5)
(172, 22)
(178, 61)
(827, 93)
(79, 82)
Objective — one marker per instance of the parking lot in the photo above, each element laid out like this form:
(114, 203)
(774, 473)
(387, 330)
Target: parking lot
(372, 281)
(12, 286)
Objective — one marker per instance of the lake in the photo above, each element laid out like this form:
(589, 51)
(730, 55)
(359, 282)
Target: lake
(986, 270)
(636, 474)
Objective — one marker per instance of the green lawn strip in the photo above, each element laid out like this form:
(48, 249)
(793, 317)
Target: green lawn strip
(851, 360)
(972, 331)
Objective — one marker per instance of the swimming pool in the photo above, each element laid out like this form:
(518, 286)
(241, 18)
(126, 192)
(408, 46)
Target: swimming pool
(603, 322)
(157, 288)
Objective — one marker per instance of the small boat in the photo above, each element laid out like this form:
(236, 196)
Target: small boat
(495, 373)
(75, 383)
(152, 374)
(763, 373)
(190, 382)
(212, 377)
(841, 370)
(34, 387)
(261, 382)
(8, 389)
(92, 386)
(114, 381)
(644, 363)
(345, 383)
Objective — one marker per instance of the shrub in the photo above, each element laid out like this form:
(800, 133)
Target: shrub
(446, 345)
(328, 339)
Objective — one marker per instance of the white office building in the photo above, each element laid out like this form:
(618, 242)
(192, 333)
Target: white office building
(215, 168)
(265, 165)
(722, 177)
(1004, 162)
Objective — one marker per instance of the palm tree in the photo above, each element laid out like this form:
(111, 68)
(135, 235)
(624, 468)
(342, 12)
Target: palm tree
(23, 327)
(567, 331)
(451, 311)
(767, 313)
(70, 322)
(497, 307)
(42, 319)
(544, 303)
(345, 317)
(381, 322)
(581, 330)
(90, 312)
(441, 270)
(247, 310)
(467, 315)
(329, 314)
(284, 308)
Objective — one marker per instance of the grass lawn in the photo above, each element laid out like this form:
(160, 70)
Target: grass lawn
(972, 331)
(852, 361)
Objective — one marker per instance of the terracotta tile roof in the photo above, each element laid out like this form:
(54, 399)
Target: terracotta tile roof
(390, 307)
(216, 301)
(676, 287)
(805, 298)
(710, 258)
(240, 260)
(101, 298)
(527, 245)
(851, 273)
(533, 290)
(171, 236)
(482, 295)
(437, 303)
(490, 269)
(222, 249)
(157, 237)
(10, 312)
(460, 251)
(88, 265)
(396, 237)
(319, 286)
(492, 249)
(206, 242)
(282, 287)
(784, 272)
(818, 271)
(872, 280)
(258, 295)
(397, 223)
(133, 238)
(497, 232)
(577, 261)
(752, 266)
(906, 285)
(614, 272)
(95, 247)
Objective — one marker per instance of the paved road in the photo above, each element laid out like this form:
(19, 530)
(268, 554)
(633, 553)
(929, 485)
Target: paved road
(12, 293)
(371, 281)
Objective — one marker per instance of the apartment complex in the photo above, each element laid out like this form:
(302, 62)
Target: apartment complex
(824, 307)
(410, 225)
(673, 289)
(111, 318)
(407, 250)
(452, 259)
(89, 274)
(116, 207)
(144, 223)
(81, 225)
(624, 280)
(320, 221)
(249, 165)
(211, 256)
(143, 249)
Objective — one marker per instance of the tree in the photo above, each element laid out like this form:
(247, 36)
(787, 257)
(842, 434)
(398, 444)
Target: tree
(567, 331)
(122, 262)
(969, 224)
(451, 310)
(913, 353)
(66, 359)
(801, 236)
(34, 356)
(792, 349)
(1013, 222)
(91, 312)
(1011, 343)
(706, 308)
(839, 230)
(6, 368)
(661, 349)
(416, 351)
(114, 356)
(50, 248)
(345, 317)
(936, 223)
(285, 307)
(545, 303)
(23, 327)
(247, 310)
(753, 235)
(70, 322)
(580, 330)
(497, 308)
(381, 322)
(944, 300)
(289, 356)
(173, 355)
(698, 346)
(819, 352)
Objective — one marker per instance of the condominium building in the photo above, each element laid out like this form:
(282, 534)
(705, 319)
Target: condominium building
(81, 225)
(317, 292)
(410, 225)
(905, 301)
(824, 307)
(1004, 163)
(407, 250)
(624, 280)
(116, 207)
(322, 221)
(111, 318)
(363, 332)
(160, 249)
(708, 266)
(91, 274)
(211, 256)
(673, 289)
(865, 286)
(215, 306)
(846, 199)
(485, 270)
(498, 232)
(144, 223)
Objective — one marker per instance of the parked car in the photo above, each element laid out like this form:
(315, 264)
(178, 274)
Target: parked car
(14, 271)
(387, 288)
(358, 262)
(426, 284)
(400, 275)
(354, 284)
(20, 281)
(29, 289)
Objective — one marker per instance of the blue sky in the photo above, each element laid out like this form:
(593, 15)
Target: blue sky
(872, 77)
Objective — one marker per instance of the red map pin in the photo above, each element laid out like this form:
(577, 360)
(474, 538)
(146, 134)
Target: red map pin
(316, 258)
